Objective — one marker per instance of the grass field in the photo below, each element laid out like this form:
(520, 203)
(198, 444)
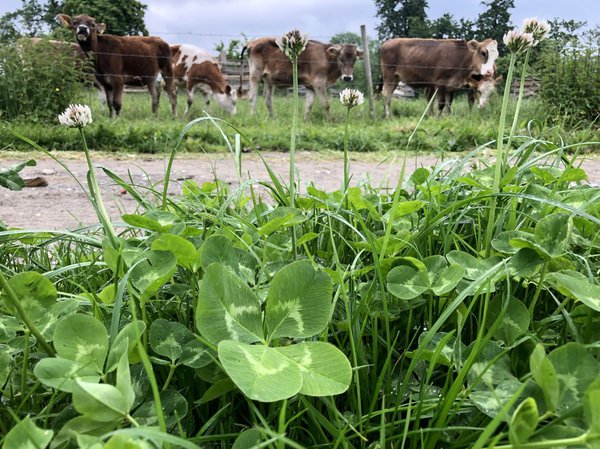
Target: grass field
(137, 131)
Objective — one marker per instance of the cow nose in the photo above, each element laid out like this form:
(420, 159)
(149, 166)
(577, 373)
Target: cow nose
(82, 29)
(347, 78)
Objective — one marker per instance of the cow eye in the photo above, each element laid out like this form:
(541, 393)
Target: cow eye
(484, 53)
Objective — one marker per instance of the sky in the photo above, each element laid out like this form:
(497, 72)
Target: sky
(205, 23)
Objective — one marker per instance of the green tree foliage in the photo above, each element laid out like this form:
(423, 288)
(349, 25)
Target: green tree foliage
(445, 27)
(402, 18)
(346, 38)
(37, 17)
(494, 22)
(125, 17)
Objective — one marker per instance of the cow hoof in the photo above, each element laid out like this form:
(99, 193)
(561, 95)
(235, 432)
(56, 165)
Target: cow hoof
(36, 182)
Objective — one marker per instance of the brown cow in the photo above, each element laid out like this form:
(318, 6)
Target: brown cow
(481, 90)
(120, 60)
(198, 68)
(319, 66)
(447, 63)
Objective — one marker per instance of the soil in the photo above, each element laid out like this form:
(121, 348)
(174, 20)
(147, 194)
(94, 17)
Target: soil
(62, 204)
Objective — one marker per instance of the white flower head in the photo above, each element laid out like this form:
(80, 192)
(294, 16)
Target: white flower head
(351, 97)
(518, 42)
(76, 116)
(539, 29)
(292, 43)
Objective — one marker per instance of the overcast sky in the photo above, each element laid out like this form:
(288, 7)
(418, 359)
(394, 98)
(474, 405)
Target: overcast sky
(207, 22)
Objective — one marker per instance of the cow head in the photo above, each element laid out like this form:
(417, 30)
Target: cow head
(84, 27)
(485, 88)
(485, 56)
(345, 55)
(227, 100)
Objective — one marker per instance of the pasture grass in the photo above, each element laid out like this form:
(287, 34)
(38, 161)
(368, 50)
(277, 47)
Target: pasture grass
(360, 318)
(137, 131)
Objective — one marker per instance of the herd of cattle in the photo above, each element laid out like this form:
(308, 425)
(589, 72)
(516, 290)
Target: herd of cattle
(441, 66)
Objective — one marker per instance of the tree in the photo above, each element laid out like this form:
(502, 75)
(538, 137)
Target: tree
(494, 22)
(445, 27)
(402, 18)
(37, 17)
(346, 38)
(125, 17)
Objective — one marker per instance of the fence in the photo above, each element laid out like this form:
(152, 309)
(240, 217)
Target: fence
(531, 87)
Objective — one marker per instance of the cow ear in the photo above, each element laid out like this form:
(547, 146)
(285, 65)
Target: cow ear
(100, 28)
(360, 54)
(473, 44)
(65, 20)
(334, 50)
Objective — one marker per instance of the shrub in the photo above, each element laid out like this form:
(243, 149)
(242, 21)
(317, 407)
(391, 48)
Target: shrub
(570, 84)
(38, 80)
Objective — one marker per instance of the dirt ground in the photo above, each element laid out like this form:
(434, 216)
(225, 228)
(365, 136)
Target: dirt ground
(63, 205)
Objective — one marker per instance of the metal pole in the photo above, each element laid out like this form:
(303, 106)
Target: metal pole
(368, 73)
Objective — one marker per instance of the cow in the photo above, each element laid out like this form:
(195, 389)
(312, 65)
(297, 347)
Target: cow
(480, 90)
(437, 63)
(120, 60)
(319, 66)
(197, 68)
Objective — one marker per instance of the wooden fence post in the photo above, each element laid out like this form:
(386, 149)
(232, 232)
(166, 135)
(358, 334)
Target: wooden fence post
(368, 72)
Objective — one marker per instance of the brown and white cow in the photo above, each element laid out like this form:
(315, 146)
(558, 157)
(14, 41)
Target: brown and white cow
(319, 66)
(437, 63)
(120, 60)
(198, 68)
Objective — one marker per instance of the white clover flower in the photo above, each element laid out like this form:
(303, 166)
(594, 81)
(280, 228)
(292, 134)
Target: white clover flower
(292, 43)
(539, 29)
(351, 97)
(76, 116)
(518, 42)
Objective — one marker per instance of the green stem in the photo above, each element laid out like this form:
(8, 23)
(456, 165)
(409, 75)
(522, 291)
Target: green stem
(169, 377)
(162, 424)
(346, 161)
(282, 425)
(14, 301)
(548, 443)
(500, 160)
(25, 362)
(513, 128)
(293, 147)
(294, 132)
(95, 194)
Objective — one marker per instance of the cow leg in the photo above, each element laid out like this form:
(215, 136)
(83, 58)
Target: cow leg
(155, 95)
(189, 90)
(387, 91)
(253, 92)
(117, 95)
(170, 87)
(321, 92)
(269, 98)
(108, 91)
(471, 98)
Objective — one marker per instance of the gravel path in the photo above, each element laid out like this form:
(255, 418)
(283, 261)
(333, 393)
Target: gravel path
(63, 205)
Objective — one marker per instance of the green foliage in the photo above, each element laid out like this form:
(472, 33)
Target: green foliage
(569, 83)
(121, 18)
(494, 22)
(402, 18)
(38, 81)
(10, 178)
